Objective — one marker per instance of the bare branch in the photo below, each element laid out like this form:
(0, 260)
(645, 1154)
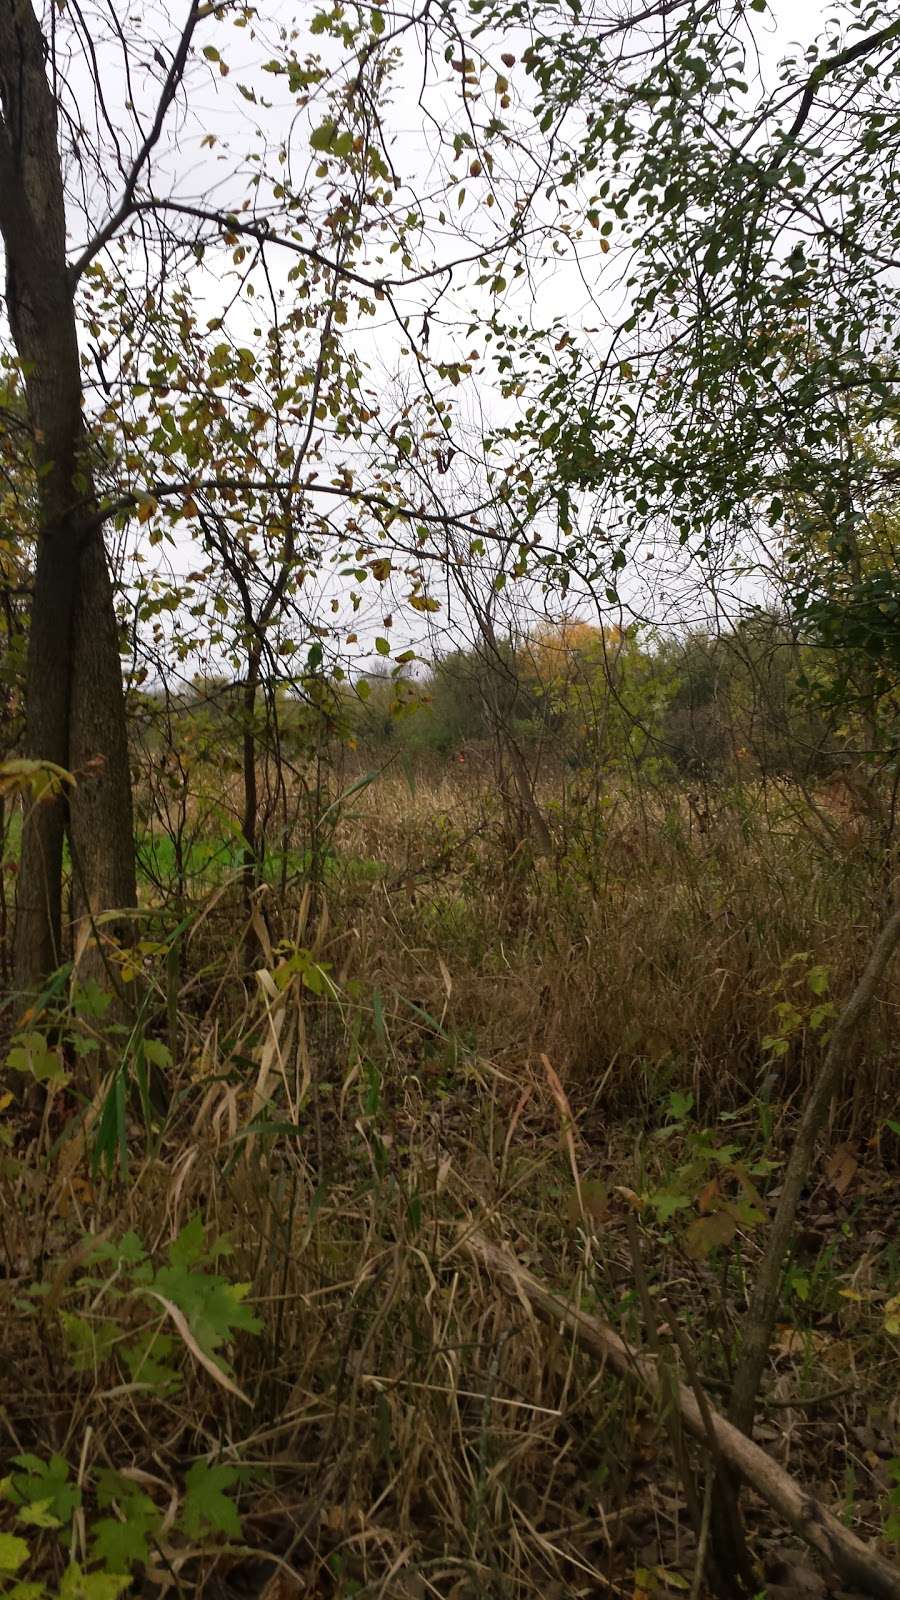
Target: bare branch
(125, 207)
(264, 234)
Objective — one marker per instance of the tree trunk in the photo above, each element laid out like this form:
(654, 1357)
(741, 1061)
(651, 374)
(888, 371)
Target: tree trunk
(101, 820)
(38, 927)
(74, 701)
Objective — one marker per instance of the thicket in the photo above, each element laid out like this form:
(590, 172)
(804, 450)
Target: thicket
(448, 798)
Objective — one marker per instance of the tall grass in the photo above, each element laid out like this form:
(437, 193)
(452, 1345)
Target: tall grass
(357, 1080)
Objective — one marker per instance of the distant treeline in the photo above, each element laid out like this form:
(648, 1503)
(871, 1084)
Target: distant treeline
(752, 698)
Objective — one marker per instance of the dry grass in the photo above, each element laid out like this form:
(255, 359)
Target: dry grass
(413, 1432)
(652, 953)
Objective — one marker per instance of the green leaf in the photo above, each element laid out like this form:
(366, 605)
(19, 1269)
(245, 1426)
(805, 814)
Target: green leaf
(158, 1053)
(147, 1360)
(679, 1105)
(39, 777)
(190, 1245)
(212, 1306)
(128, 1251)
(378, 23)
(13, 1553)
(775, 1046)
(38, 1515)
(206, 1505)
(122, 1542)
(32, 1054)
(666, 1202)
(329, 139)
(47, 1484)
(89, 1343)
(382, 646)
(79, 1585)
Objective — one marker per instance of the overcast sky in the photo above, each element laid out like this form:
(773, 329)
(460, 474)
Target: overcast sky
(207, 153)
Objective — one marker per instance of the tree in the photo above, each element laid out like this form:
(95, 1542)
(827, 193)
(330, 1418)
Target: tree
(755, 225)
(74, 702)
(140, 402)
(752, 210)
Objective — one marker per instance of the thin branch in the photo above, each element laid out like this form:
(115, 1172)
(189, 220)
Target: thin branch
(841, 58)
(126, 205)
(228, 222)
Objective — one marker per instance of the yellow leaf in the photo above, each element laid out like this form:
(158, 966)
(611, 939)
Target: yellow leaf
(40, 777)
(146, 508)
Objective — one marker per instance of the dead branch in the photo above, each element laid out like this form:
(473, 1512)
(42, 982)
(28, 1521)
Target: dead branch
(855, 1561)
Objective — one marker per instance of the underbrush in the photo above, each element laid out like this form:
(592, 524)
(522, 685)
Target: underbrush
(246, 1347)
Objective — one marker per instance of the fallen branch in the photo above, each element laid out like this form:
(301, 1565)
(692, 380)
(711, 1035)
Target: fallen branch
(855, 1561)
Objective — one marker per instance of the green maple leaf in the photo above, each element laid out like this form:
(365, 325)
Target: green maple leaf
(89, 1343)
(13, 1553)
(45, 1484)
(122, 1542)
(38, 1515)
(206, 1506)
(190, 1246)
(147, 1359)
(80, 1585)
(129, 1250)
(213, 1306)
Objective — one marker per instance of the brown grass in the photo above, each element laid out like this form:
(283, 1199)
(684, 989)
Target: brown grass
(412, 1431)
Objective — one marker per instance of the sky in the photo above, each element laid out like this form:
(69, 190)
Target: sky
(205, 153)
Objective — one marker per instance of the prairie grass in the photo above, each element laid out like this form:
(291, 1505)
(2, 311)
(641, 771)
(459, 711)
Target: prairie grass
(356, 1080)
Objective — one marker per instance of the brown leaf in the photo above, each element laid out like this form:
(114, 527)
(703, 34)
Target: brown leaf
(841, 1166)
(705, 1233)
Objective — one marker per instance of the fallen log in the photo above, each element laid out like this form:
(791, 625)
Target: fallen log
(856, 1562)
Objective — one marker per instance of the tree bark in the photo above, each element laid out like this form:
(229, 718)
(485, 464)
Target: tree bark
(75, 713)
(101, 820)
